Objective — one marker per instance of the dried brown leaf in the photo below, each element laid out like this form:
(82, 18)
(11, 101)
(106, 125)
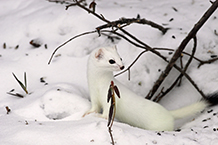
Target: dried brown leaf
(110, 117)
(117, 91)
(109, 95)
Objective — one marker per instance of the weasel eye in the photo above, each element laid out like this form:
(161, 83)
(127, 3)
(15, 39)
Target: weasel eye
(111, 61)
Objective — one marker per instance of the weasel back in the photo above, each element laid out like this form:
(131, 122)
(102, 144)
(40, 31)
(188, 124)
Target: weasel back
(139, 112)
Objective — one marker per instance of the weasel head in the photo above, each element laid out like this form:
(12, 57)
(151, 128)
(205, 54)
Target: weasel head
(107, 58)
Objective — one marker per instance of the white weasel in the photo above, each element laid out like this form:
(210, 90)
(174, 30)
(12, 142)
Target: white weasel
(130, 108)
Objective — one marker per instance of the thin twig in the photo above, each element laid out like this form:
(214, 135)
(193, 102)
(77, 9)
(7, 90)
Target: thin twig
(85, 33)
(128, 69)
(192, 55)
(202, 62)
(181, 65)
(111, 135)
(61, 2)
(124, 37)
(88, 10)
(207, 62)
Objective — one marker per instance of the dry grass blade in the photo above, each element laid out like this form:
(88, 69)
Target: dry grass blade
(16, 94)
(25, 81)
(20, 83)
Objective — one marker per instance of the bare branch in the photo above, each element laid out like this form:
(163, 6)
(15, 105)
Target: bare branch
(154, 49)
(182, 46)
(129, 21)
(163, 93)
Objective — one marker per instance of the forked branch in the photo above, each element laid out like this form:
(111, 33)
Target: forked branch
(163, 93)
(182, 46)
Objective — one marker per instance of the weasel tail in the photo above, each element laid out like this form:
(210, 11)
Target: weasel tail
(131, 108)
(194, 108)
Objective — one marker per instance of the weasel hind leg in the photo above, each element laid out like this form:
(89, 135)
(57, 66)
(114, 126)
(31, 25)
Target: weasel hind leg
(105, 112)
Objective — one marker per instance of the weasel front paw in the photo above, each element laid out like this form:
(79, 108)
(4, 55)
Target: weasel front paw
(90, 111)
(87, 113)
(103, 116)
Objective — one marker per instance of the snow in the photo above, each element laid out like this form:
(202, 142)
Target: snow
(52, 112)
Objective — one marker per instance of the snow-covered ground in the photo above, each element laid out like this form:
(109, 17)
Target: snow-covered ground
(52, 112)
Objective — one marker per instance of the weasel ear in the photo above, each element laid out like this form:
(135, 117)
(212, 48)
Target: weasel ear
(99, 54)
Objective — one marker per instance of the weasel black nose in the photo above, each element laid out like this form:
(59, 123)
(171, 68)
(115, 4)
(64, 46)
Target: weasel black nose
(122, 67)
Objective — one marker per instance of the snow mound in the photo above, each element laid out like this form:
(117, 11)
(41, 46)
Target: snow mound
(60, 104)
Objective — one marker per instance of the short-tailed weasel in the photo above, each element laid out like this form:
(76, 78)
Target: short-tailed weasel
(130, 108)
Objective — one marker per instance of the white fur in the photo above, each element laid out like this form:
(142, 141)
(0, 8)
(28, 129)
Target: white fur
(130, 108)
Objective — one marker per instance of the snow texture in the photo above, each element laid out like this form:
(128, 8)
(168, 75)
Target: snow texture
(52, 113)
